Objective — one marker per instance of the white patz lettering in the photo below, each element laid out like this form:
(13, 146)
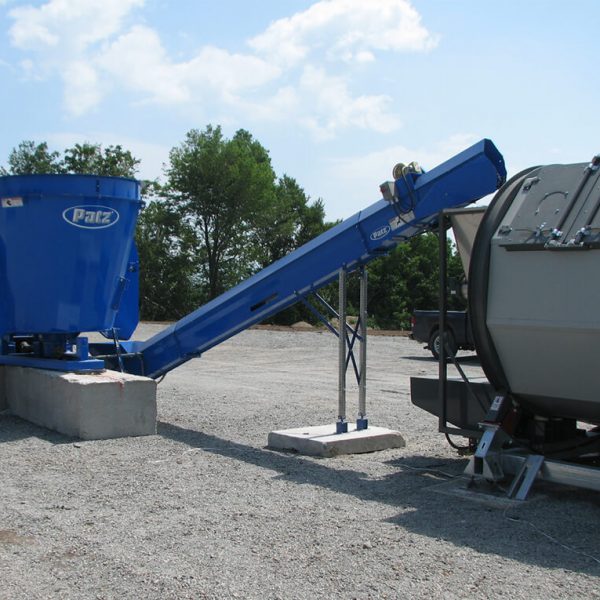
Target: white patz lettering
(78, 215)
(380, 233)
(91, 217)
(96, 217)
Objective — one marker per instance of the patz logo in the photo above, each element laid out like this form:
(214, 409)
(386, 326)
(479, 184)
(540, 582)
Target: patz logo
(91, 217)
(380, 233)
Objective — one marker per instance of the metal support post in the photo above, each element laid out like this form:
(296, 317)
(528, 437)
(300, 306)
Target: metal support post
(342, 423)
(442, 365)
(362, 422)
(117, 349)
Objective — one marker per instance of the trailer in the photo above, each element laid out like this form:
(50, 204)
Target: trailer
(533, 302)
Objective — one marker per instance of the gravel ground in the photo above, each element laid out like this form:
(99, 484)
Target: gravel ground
(204, 510)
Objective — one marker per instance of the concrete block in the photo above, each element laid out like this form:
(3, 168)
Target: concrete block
(88, 406)
(322, 440)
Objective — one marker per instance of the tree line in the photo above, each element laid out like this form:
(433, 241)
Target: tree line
(220, 213)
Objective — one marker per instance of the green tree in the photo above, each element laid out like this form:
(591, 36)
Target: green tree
(91, 158)
(31, 158)
(288, 222)
(168, 263)
(221, 187)
(293, 221)
(408, 279)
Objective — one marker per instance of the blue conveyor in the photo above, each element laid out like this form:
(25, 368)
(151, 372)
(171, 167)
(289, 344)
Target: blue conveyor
(412, 206)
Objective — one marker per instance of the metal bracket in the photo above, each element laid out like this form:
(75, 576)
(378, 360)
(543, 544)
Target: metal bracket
(486, 462)
(45, 354)
(528, 183)
(521, 484)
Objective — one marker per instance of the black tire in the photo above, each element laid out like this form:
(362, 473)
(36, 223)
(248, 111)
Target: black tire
(434, 344)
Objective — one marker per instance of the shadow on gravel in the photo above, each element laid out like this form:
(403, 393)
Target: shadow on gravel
(469, 359)
(553, 529)
(556, 528)
(13, 429)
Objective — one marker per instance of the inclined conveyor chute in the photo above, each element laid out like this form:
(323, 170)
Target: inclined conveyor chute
(88, 281)
(411, 206)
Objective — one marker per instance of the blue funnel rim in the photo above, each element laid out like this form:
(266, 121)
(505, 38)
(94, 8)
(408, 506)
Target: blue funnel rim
(63, 185)
(68, 175)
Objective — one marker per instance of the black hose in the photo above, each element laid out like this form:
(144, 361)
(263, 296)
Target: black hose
(456, 446)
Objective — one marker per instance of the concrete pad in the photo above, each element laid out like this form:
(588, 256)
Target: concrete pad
(322, 440)
(88, 406)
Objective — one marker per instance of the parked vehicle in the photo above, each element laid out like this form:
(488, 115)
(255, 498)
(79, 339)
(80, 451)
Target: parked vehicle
(425, 323)
(425, 328)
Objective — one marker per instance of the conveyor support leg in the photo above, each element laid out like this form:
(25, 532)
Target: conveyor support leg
(342, 423)
(362, 422)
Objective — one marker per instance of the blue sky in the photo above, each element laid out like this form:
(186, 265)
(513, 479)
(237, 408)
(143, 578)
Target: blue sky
(337, 90)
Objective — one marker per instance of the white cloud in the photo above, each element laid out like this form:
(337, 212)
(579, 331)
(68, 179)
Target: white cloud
(345, 29)
(331, 106)
(72, 24)
(324, 105)
(82, 89)
(95, 49)
(283, 105)
(229, 72)
(84, 43)
(139, 61)
(63, 36)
